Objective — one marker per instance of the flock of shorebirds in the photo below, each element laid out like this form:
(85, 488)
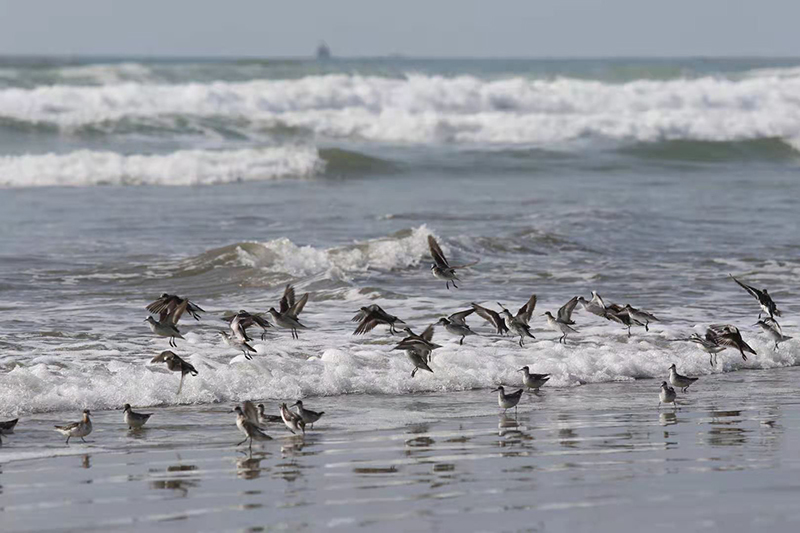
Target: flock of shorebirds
(252, 420)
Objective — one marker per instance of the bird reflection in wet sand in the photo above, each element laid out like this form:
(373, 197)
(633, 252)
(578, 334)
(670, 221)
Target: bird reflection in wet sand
(507, 425)
(667, 419)
(179, 479)
(249, 467)
(86, 461)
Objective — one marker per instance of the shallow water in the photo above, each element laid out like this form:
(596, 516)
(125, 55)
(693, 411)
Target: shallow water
(587, 458)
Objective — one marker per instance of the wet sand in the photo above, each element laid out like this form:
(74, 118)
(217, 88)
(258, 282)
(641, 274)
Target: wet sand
(597, 457)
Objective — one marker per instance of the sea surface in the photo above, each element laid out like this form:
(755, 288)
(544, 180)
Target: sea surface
(649, 181)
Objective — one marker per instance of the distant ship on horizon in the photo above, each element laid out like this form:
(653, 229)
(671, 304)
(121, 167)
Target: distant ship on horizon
(323, 51)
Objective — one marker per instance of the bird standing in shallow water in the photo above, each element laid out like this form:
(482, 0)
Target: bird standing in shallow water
(77, 429)
(676, 380)
(533, 381)
(640, 316)
(293, 421)
(507, 401)
(709, 344)
(308, 416)
(667, 395)
(561, 327)
(250, 430)
(134, 420)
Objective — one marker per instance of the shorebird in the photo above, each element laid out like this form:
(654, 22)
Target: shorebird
(728, 335)
(557, 325)
(507, 401)
(418, 348)
(371, 316)
(596, 305)
(763, 297)
(676, 380)
(134, 420)
(518, 324)
(167, 303)
(246, 320)
(166, 325)
(533, 381)
(565, 312)
(293, 421)
(289, 310)
(238, 343)
(77, 429)
(709, 344)
(773, 329)
(667, 395)
(441, 268)
(8, 426)
(456, 324)
(175, 364)
(617, 313)
(492, 317)
(308, 416)
(250, 430)
(250, 411)
(640, 316)
(264, 418)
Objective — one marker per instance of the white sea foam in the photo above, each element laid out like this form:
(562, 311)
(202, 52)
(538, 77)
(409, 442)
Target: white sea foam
(187, 167)
(464, 109)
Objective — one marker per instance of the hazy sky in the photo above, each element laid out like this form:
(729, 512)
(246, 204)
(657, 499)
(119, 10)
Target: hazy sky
(529, 28)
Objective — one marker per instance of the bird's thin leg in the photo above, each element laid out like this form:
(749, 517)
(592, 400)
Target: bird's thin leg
(629, 331)
(413, 372)
(646, 326)
(180, 386)
(520, 342)
(68, 439)
(82, 440)
(454, 285)
(245, 440)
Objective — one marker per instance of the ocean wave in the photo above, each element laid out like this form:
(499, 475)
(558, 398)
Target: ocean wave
(187, 167)
(463, 109)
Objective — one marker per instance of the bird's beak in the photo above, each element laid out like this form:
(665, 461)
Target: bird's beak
(293, 405)
(495, 390)
(520, 370)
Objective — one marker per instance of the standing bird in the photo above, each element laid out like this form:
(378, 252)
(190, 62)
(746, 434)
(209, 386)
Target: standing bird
(456, 324)
(289, 310)
(773, 329)
(264, 418)
(676, 380)
(77, 429)
(293, 421)
(640, 316)
(667, 395)
(518, 324)
(441, 268)
(727, 335)
(166, 325)
(308, 416)
(175, 364)
(533, 381)
(562, 327)
(134, 420)
(492, 317)
(596, 305)
(169, 302)
(246, 320)
(8, 426)
(237, 342)
(507, 401)
(371, 316)
(250, 430)
(709, 344)
(763, 297)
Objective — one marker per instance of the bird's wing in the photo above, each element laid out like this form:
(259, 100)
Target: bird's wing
(565, 313)
(773, 324)
(367, 324)
(297, 307)
(427, 335)
(526, 311)
(492, 317)
(69, 426)
(755, 293)
(460, 317)
(287, 300)
(178, 311)
(358, 317)
(250, 411)
(466, 265)
(160, 358)
(436, 253)
(162, 303)
(261, 321)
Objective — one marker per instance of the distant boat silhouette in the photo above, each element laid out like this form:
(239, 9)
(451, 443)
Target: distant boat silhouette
(323, 52)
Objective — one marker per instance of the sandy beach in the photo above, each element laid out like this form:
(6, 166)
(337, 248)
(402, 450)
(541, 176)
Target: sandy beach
(597, 457)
